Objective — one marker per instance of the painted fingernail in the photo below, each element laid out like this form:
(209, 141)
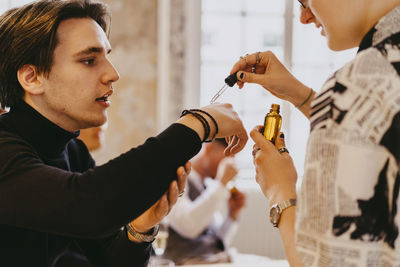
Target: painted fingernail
(282, 136)
(241, 76)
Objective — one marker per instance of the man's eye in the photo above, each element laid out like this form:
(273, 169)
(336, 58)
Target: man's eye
(88, 61)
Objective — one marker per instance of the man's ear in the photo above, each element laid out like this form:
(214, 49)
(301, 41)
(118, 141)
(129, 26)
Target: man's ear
(29, 79)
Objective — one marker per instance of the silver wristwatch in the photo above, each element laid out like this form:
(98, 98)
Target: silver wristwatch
(277, 209)
(145, 237)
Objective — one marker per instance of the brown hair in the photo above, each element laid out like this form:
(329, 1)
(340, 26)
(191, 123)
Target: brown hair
(28, 36)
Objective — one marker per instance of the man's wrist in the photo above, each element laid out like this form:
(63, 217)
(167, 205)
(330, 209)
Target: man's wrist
(194, 124)
(138, 237)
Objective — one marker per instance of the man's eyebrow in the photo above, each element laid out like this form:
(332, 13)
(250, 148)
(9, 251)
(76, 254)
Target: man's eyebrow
(91, 50)
(301, 3)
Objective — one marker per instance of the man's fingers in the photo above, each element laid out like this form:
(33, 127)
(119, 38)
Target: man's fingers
(231, 143)
(160, 209)
(173, 192)
(188, 167)
(237, 143)
(182, 175)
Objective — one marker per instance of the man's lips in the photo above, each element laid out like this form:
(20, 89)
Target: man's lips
(105, 97)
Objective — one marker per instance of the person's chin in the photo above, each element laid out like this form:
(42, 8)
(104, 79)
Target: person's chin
(97, 122)
(339, 45)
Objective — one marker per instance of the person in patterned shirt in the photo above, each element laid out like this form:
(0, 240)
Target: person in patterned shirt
(347, 207)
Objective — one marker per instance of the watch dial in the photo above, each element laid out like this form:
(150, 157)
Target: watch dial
(274, 215)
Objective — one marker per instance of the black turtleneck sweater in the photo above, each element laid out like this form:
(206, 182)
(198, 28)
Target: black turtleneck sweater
(54, 200)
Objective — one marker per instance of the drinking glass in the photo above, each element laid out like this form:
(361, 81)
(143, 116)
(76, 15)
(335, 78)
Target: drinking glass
(159, 246)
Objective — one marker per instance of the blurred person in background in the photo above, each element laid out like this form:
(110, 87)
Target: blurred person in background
(199, 231)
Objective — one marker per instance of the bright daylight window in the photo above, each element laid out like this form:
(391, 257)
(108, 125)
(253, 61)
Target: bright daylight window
(231, 28)
(7, 4)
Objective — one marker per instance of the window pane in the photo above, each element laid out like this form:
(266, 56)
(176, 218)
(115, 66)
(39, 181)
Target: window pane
(264, 6)
(263, 33)
(219, 33)
(246, 26)
(7, 4)
(221, 6)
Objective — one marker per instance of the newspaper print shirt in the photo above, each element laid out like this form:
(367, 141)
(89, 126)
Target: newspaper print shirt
(348, 206)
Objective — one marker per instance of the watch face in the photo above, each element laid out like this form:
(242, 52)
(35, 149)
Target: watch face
(274, 215)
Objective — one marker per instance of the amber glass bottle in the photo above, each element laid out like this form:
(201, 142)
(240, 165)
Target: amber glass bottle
(272, 123)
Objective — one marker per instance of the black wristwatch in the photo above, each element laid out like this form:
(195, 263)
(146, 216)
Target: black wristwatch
(277, 209)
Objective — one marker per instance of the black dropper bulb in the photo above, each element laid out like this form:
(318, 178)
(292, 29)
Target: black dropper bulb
(231, 79)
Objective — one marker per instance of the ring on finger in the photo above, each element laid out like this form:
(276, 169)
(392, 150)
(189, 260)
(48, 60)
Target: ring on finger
(283, 150)
(255, 150)
(181, 193)
(245, 60)
(258, 58)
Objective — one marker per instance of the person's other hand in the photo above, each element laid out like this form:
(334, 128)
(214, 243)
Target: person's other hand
(227, 170)
(275, 172)
(163, 206)
(236, 203)
(271, 74)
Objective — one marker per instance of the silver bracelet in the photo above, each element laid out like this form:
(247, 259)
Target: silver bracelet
(145, 237)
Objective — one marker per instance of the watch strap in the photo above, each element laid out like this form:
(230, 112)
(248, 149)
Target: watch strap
(144, 237)
(286, 204)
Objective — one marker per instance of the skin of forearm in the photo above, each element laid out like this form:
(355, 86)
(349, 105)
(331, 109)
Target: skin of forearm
(286, 229)
(302, 93)
(193, 123)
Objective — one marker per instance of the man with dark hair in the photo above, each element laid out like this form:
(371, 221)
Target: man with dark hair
(57, 208)
(199, 231)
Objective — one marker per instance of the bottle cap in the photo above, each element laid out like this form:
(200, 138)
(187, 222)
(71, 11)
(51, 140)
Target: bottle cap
(275, 107)
(231, 79)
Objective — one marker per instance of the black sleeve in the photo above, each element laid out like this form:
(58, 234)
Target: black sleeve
(97, 202)
(116, 250)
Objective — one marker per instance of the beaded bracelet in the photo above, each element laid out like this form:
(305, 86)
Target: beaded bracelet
(305, 101)
(213, 120)
(204, 122)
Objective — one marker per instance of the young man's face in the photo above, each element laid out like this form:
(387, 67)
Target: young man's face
(81, 77)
